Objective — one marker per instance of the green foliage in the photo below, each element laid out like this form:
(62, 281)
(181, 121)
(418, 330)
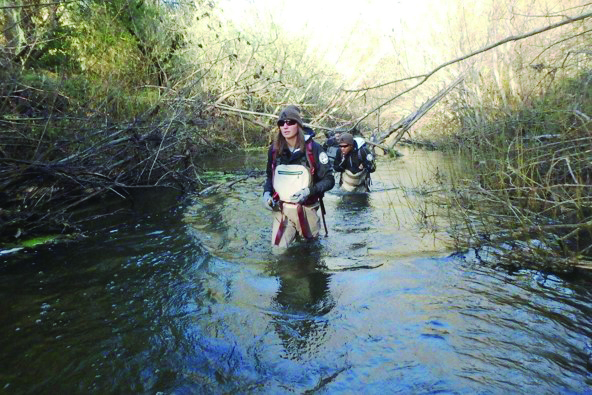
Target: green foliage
(57, 54)
(119, 59)
(217, 177)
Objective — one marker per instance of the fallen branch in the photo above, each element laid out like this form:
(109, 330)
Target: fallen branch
(405, 124)
(227, 184)
(424, 77)
(240, 111)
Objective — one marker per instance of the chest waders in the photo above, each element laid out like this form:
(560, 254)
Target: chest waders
(287, 180)
(354, 181)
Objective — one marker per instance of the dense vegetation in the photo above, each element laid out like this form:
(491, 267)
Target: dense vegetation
(521, 190)
(98, 97)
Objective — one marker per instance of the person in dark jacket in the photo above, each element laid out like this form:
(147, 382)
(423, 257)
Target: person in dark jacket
(354, 162)
(331, 145)
(298, 175)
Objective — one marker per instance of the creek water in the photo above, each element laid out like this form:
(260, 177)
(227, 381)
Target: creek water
(187, 297)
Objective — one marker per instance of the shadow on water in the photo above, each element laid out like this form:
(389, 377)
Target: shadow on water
(192, 300)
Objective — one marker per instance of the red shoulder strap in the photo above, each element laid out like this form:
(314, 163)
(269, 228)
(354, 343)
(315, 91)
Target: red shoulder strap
(273, 161)
(276, 197)
(310, 156)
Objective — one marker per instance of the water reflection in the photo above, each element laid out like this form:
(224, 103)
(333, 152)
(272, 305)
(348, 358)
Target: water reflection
(233, 226)
(302, 301)
(354, 203)
(202, 306)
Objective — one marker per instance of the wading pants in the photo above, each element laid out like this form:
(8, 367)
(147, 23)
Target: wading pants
(292, 225)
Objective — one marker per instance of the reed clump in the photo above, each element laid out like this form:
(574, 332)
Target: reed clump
(523, 185)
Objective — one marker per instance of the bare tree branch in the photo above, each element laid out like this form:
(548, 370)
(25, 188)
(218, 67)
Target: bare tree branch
(406, 123)
(385, 84)
(424, 77)
(553, 15)
(559, 42)
(237, 110)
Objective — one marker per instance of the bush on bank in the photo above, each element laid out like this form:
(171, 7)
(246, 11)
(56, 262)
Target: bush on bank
(524, 185)
(98, 97)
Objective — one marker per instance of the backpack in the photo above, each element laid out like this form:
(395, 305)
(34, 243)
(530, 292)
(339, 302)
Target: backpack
(360, 142)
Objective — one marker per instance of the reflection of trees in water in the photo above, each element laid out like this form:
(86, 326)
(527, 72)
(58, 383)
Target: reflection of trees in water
(353, 203)
(353, 220)
(232, 224)
(302, 300)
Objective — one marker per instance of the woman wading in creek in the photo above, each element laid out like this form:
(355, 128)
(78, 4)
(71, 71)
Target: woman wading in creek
(298, 174)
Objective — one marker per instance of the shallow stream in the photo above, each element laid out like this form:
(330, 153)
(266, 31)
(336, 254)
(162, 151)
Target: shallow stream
(190, 299)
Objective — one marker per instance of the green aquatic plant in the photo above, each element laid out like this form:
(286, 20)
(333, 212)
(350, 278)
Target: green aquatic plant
(36, 241)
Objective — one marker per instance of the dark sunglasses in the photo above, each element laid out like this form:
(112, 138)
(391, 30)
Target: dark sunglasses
(343, 145)
(289, 122)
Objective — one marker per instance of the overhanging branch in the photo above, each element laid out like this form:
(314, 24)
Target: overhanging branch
(424, 77)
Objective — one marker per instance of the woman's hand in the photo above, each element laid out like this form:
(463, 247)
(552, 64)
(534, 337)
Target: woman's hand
(267, 201)
(300, 196)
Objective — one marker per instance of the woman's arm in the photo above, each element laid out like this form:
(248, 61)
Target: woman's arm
(324, 179)
(268, 186)
(368, 160)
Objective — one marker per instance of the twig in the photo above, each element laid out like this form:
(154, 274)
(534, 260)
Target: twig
(223, 184)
